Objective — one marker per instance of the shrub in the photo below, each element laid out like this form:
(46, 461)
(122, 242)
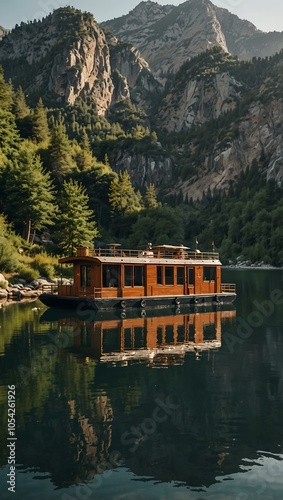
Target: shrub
(27, 273)
(44, 264)
(8, 256)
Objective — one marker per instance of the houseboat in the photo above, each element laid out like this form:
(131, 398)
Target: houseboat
(156, 277)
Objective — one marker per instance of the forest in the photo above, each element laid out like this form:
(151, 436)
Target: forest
(60, 190)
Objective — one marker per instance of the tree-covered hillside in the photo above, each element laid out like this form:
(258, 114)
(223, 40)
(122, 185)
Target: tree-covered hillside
(60, 186)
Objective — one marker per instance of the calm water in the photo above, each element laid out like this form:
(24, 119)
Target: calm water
(183, 406)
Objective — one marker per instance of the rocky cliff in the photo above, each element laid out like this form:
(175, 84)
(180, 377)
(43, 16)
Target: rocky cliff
(167, 35)
(216, 116)
(67, 55)
(235, 125)
(3, 32)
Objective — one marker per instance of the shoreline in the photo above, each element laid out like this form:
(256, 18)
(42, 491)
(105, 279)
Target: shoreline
(252, 267)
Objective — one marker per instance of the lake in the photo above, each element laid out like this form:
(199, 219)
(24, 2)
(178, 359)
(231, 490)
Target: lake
(182, 405)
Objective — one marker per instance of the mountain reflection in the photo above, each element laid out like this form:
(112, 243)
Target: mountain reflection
(83, 431)
(188, 398)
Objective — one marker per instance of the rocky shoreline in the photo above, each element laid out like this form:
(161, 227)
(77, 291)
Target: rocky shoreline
(22, 290)
(248, 264)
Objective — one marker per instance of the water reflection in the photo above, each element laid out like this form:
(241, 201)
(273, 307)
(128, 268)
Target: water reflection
(155, 341)
(157, 404)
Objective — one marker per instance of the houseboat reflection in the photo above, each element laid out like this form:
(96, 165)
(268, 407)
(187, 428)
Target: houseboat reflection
(157, 341)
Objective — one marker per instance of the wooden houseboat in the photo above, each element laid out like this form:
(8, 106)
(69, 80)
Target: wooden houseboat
(159, 276)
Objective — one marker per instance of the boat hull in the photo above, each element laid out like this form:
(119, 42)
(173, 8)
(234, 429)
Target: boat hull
(51, 300)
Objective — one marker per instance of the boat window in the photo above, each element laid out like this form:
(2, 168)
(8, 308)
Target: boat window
(110, 276)
(133, 275)
(169, 334)
(85, 275)
(159, 275)
(138, 276)
(169, 275)
(180, 275)
(191, 276)
(128, 273)
(191, 333)
(209, 274)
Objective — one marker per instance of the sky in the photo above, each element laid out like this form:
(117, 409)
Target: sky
(266, 15)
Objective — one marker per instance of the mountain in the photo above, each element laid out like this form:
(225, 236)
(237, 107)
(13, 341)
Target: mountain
(3, 32)
(67, 56)
(222, 116)
(167, 36)
(214, 118)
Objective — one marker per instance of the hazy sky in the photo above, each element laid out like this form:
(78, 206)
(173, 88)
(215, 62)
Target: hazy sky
(266, 15)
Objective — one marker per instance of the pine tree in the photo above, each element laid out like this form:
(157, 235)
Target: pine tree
(85, 159)
(150, 200)
(9, 135)
(61, 159)
(20, 107)
(122, 196)
(40, 128)
(6, 93)
(28, 194)
(76, 225)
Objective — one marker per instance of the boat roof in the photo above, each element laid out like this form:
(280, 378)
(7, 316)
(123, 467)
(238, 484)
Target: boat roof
(170, 247)
(144, 259)
(161, 254)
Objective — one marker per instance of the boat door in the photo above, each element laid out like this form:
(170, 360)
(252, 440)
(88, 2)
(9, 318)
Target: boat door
(194, 279)
(190, 280)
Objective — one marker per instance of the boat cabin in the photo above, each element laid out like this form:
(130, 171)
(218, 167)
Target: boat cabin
(156, 271)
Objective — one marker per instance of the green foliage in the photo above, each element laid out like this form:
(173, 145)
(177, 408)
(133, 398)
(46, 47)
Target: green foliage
(26, 273)
(6, 93)
(28, 193)
(122, 196)
(84, 146)
(84, 157)
(150, 199)
(9, 136)
(163, 225)
(61, 160)
(44, 264)
(40, 130)
(8, 256)
(246, 221)
(76, 226)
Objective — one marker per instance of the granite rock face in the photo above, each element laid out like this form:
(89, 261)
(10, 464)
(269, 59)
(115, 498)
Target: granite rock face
(260, 135)
(168, 35)
(198, 101)
(67, 56)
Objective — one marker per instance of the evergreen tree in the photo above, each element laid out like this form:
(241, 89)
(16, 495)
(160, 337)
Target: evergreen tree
(150, 200)
(162, 225)
(28, 194)
(40, 128)
(6, 93)
(85, 159)
(9, 136)
(122, 196)
(61, 159)
(20, 107)
(76, 225)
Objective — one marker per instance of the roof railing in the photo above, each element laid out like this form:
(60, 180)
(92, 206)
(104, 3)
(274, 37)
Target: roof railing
(154, 254)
